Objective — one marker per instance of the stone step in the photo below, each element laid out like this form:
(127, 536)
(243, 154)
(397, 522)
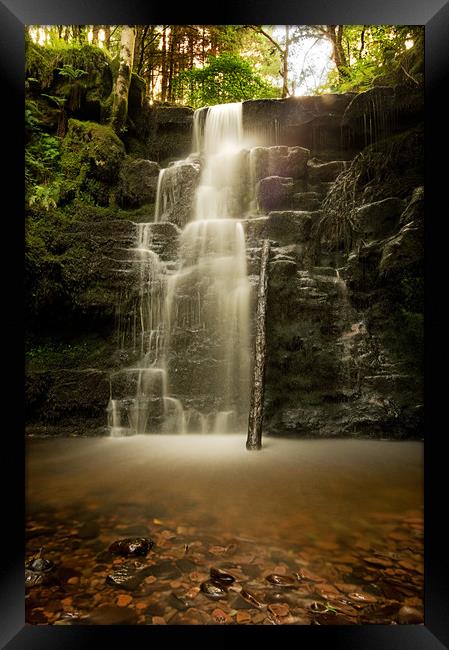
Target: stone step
(319, 171)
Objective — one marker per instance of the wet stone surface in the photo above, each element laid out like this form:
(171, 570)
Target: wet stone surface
(131, 546)
(199, 575)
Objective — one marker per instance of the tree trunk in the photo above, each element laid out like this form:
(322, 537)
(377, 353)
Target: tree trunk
(164, 66)
(95, 30)
(335, 33)
(255, 420)
(171, 63)
(121, 86)
(107, 36)
(285, 92)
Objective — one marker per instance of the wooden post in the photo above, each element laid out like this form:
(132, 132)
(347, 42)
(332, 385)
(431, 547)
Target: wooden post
(254, 440)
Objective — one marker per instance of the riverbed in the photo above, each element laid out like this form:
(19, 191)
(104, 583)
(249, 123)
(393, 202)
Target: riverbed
(341, 519)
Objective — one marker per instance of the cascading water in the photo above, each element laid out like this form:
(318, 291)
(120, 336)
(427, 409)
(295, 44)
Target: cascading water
(194, 323)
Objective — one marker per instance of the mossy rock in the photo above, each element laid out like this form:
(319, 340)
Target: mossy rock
(43, 65)
(91, 156)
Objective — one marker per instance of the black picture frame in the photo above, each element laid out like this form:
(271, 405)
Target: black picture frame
(14, 15)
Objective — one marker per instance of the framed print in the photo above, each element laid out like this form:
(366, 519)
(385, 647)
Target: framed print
(226, 418)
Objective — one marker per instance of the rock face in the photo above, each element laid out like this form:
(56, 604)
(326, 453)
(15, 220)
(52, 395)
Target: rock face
(71, 400)
(382, 111)
(137, 182)
(279, 161)
(380, 219)
(311, 122)
(343, 327)
(319, 172)
(177, 192)
(172, 135)
(273, 193)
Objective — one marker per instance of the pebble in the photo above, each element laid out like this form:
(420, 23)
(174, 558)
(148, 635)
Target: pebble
(159, 620)
(131, 546)
(410, 566)
(279, 609)
(217, 550)
(213, 590)
(251, 598)
(126, 576)
(40, 564)
(193, 592)
(409, 616)
(258, 618)
(305, 574)
(221, 617)
(378, 561)
(281, 580)
(362, 597)
(181, 604)
(240, 603)
(220, 576)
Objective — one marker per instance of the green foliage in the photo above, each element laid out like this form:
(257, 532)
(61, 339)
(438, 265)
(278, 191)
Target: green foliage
(42, 156)
(70, 60)
(70, 72)
(59, 101)
(53, 354)
(379, 55)
(225, 78)
(90, 160)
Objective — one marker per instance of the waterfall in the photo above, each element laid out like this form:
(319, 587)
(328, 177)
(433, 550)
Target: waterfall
(192, 322)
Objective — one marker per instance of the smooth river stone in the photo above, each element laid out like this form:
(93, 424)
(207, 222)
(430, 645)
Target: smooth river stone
(132, 546)
(126, 576)
(281, 581)
(213, 590)
(218, 575)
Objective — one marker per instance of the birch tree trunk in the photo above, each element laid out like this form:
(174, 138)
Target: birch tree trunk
(285, 92)
(255, 420)
(121, 87)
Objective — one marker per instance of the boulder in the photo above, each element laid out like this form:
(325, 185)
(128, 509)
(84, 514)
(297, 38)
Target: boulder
(289, 226)
(177, 189)
(309, 201)
(282, 267)
(403, 250)
(378, 220)
(415, 208)
(319, 171)
(273, 193)
(78, 397)
(279, 161)
(164, 239)
(171, 136)
(137, 182)
(91, 158)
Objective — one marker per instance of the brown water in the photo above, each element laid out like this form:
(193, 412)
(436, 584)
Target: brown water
(329, 506)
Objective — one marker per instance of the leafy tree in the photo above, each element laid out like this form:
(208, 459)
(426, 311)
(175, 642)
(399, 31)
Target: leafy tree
(225, 78)
(379, 55)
